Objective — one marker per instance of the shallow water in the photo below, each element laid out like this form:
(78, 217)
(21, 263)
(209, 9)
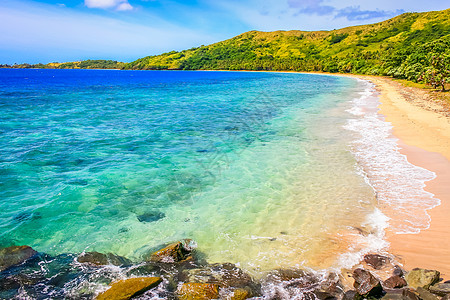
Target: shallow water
(265, 170)
(253, 166)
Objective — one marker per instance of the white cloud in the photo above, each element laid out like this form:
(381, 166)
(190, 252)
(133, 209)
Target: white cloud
(120, 5)
(124, 6)
(46, 33)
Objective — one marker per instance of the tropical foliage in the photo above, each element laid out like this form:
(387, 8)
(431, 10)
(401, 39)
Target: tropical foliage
(412, 46)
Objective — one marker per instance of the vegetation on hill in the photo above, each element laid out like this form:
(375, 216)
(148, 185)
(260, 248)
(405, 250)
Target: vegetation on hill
(413, 46)
(85, 64)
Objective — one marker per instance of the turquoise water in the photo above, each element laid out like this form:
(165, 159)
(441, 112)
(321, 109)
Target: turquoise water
(255, 167)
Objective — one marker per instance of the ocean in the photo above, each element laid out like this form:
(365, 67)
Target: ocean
(263, 170)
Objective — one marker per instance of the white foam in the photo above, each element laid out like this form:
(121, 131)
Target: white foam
(399, 185)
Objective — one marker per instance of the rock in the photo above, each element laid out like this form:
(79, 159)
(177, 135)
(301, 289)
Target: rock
(225, 275)
(126, 289)
(426, 295)
(15, 255)
(441, 289)
(393, 295)
(100, 259)
(151, 216)
(366, 284)
(320, 295)
(376, 261)
(394, 282)
(446, 297)
(349, 295)
(298, 277)
(398, 271)
(239, 294)
(175, 252)
(409, 294)
(422, 278)
(198, 291)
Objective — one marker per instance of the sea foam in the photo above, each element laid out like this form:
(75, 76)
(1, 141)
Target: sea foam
(399, 185)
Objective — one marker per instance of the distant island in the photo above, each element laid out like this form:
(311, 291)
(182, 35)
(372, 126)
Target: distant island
(412, 46)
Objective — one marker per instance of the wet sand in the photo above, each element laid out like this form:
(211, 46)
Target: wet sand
(424, 134)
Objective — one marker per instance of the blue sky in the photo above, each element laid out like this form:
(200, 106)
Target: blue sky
(69, 30)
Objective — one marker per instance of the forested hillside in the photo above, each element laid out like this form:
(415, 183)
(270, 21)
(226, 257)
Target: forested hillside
(408, 46)
(412, 46)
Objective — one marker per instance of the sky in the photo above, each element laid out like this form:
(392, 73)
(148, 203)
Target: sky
(125, 30)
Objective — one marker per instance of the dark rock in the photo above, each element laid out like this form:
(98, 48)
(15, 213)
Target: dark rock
(194, 291)
(330, 287)
(15, 255)
(175, 252)
(349, 295)
(376, 261)
(422, 278)
(126, 289)
(225, 275)
(15, 281)
(297, 277)
(396, 294)
(394, 282)
(410, 294)
(151, 216)
(321, 295)
(398, 271)
(441, 289)
(366, 284)
(426, 295)
(100, 259)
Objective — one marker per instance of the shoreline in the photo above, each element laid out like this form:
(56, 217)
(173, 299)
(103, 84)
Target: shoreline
(424, 138)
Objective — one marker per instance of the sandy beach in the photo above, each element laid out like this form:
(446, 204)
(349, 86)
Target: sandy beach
(424, 133)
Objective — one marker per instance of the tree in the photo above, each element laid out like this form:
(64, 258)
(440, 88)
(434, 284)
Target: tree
(438, 74)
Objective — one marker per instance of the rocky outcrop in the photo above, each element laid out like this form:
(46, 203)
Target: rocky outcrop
(394, 282)
(198, 291)
(376, 261)
(175, 252)
(422, 278)
(126, 289)
(426, 295)
(100, 259)
(366, 284)
(441, 289)
(15, 255)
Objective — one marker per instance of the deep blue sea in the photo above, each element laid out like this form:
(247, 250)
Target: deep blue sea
(259, 169)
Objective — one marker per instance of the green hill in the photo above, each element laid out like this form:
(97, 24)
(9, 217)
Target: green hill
(401, 47)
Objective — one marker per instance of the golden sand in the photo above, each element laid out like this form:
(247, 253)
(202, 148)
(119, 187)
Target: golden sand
(424, 135)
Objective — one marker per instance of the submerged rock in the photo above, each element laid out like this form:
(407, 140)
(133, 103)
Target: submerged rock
(441, 289)
(151, 216)
(422, 278)
(376, 261)
(15, 255)
(100, 259)
(198, 291)
(239, 294)
(225, 275)
(175, 252)
(394, 282)
(300, 277)
(126, 289)
(366, 284)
